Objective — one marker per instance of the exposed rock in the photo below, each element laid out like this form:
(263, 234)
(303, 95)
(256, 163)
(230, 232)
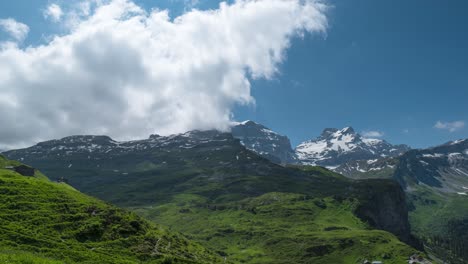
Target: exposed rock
(386, 209)
(24, 170)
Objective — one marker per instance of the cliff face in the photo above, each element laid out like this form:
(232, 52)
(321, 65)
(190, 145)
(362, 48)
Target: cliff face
(385, 208)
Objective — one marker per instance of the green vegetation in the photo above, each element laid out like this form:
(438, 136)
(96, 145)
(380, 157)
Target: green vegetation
(441, 221)
(52, 221)
(9, 256)
(280, 228)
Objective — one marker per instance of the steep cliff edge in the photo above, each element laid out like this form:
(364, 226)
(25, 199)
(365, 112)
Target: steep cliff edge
(385, 208)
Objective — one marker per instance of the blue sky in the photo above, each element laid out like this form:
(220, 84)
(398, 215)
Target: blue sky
(392, 66)
(397, 67)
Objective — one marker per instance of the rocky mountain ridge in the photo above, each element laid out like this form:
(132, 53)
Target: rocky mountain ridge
(443, 168)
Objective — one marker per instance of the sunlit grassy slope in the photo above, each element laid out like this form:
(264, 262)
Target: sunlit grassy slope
(54, 223)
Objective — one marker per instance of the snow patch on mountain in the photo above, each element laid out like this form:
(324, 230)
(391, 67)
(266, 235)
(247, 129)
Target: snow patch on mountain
(337, 146)
(433, 155)
(457, 141)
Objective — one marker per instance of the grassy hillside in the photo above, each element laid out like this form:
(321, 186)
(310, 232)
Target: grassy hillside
(281, 228)
(54, 221)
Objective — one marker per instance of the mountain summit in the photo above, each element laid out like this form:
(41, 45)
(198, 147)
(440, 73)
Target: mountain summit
(337, 146)
(264, 141)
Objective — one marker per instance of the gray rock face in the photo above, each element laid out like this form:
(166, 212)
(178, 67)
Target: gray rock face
(264, 142)
(394, 217)
(24, 170)
(338, 146)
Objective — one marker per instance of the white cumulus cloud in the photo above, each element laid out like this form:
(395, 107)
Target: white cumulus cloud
(16, 29)
(373, 134)
(450, 126)
(53, 12)
(128, 72)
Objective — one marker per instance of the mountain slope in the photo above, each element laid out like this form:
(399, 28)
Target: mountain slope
(335, 147)
(264, 141)
(205, 183)
(54, 220)
(436, 182)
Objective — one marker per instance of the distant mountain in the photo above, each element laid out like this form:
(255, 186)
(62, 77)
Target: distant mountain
(95, 148)
(264, 141)
(443, 168)
(333, 148)
(338, 146)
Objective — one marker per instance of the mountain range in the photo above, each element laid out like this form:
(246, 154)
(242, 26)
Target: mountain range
(331, 149)
(257, 194)
(229, 199)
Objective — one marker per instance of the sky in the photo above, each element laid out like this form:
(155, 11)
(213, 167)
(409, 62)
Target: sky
(396, 70)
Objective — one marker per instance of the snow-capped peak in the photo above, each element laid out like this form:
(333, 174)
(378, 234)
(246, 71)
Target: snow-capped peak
(336, 146)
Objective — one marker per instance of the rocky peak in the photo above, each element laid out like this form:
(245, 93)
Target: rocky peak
(327, 132)
(346, 134)
(154, 136)
(264, 141)
(348, 130)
